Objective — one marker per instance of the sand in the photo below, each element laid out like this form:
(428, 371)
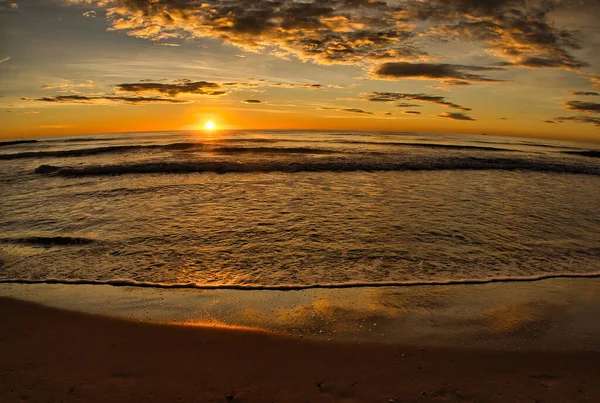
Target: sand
(52, 355)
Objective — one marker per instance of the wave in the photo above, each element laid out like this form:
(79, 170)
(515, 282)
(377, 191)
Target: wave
(168, 147)
(429, 145)
(222, 167)
(49, 240)
(17, 142)
(297, 287)
(87, 139)
(589, 153)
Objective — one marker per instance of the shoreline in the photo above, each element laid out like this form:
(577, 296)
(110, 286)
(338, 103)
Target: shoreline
(554, 314)
(300, 287)
(49, 354)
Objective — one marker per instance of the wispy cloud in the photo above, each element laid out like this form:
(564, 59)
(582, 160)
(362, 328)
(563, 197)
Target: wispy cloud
(399, 96)
(306, 86)
(78, 99)
(585, 93)
(456, 116)
(577, 119)
(347, 110)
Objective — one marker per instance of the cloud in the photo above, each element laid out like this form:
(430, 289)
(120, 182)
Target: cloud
(585, 93)
(588, 107)
(356, 31)
(407, 105)
(325, 31)
(252, 101)
(456, 116)
(549, 121)
(90, 14)
(21, 112)
(519, 31)
(348, 110)
(289, 85)
(578, 119)
(5, 59)
(412, 112)
(452, 74)
(398, 96)
(100, 99)
(66, 86)
(172, 90)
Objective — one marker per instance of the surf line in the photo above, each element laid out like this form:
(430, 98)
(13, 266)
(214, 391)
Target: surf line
(297, 287)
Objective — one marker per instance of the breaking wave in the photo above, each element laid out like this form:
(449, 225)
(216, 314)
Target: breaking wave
(296, 287)
(590, 153)
(16, 142)
(49, 240)
(169, 147)
(222, 167)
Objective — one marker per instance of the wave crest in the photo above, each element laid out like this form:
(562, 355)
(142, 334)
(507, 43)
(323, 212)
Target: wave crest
(222, 167)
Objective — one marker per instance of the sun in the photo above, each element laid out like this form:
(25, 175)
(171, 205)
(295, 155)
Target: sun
(210, 126)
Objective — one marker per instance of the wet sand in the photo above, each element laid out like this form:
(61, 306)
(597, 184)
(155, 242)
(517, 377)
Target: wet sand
(52, 355)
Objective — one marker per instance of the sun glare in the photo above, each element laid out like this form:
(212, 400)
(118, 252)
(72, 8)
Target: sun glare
(210, 125)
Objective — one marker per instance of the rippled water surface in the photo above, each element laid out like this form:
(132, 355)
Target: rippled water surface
(297, 208)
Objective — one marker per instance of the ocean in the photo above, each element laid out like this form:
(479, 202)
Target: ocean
(297, 209)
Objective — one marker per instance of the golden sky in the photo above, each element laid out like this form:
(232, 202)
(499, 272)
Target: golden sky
(507, 67)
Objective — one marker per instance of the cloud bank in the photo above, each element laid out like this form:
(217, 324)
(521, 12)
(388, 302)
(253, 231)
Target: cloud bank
(520, 32)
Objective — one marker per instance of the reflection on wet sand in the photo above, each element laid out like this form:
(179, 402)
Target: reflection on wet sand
(550, 314)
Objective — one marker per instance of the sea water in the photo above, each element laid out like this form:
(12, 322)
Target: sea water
(296, 209)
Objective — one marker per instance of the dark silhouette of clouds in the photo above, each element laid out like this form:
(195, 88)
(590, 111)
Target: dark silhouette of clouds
(578, 119)
(349, 110)
(456, 116)
(589, 107)
(453, 74)
(585, 93)
(187, 87)
(399, 96)
(99, 99)
(289, 85)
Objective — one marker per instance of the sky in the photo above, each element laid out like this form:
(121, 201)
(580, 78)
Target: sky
(505, 67)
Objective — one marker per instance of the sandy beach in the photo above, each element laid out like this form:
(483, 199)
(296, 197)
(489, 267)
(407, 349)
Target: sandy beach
(53, 355)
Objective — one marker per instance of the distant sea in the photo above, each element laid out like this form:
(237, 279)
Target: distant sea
(297, 209)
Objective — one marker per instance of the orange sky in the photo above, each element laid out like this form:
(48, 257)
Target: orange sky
(93, 67)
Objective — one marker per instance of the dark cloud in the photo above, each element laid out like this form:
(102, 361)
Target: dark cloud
(585, 93)
(252, 101)
(412, 112)
(184, 87)
(520, 31)
(407, 105)
(356, 31)
(456, 116)
(398, 96)
(589, 107)
(326, 31)
(100, 99)
(549, 121)
(453, 74)
(579, 119)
